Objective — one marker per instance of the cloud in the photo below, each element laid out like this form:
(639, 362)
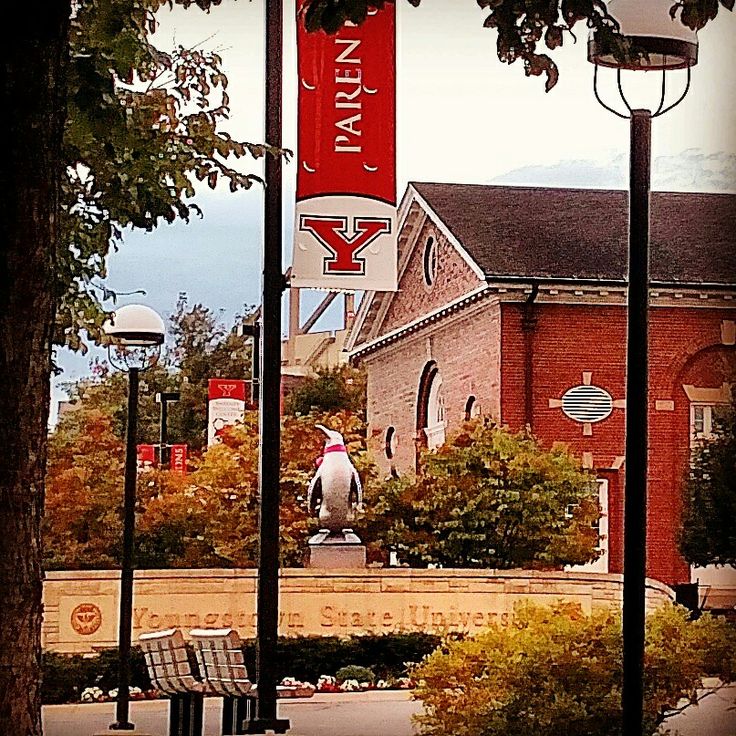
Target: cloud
(689, 171)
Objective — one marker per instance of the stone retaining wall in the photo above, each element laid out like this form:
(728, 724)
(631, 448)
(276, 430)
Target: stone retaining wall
(80, 607)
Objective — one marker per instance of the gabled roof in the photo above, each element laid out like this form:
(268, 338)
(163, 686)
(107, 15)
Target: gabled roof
(547, 233)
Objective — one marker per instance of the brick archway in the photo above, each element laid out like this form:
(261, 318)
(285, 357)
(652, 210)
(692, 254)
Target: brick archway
(430, 373)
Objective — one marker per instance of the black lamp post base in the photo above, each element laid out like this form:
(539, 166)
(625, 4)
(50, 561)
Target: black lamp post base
(122, 726)
(263, 725)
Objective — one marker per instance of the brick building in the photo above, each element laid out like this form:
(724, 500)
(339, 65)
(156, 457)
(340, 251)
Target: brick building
(511, 303)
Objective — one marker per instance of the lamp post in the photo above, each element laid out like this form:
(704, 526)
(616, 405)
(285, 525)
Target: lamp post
(269, 466)
(253, 331)
(135, 335)
(659, 42)
(164, 398)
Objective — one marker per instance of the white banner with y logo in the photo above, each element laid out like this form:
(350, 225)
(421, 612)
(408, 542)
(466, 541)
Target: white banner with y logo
(345, 243)
(226, 400)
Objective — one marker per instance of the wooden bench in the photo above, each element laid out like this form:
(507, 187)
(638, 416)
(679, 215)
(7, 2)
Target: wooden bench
(222, 672)
(168, 666)
(221, 665)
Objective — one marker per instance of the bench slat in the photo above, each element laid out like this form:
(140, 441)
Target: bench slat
(221, 661)
(168, 663)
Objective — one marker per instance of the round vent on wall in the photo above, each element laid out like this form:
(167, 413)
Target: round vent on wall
(587, 404)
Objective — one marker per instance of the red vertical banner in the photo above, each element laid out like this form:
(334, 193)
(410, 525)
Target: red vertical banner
(146, 457)
(226, 405)
(178, 459)
(345, 231)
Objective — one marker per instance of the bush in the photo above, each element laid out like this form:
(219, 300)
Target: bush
(355, 672)
(308, 657)
(305, 658)
(65, 676)
(558, 671)
(330, 390)
(488, 498)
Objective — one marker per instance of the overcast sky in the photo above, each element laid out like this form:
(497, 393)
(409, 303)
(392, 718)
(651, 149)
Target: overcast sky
(462, 116)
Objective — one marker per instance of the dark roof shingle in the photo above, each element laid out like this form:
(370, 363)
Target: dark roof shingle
(549, 233)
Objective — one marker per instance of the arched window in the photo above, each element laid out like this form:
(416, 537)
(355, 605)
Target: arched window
(390, 444)
(431, 420)
(471, 408)
(708, 407)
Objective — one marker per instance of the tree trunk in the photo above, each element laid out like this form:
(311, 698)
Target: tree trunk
(34, 52)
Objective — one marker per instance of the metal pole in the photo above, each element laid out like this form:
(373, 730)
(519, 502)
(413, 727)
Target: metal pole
(126, 573)
(164, 433)
(635, 503)
(256, 363)
(270, 393)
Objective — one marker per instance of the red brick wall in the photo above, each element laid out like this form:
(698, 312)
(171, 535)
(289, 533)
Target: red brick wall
(568, 340)
(414, 299)
(466, 348)
(684, 348)
(480, 351)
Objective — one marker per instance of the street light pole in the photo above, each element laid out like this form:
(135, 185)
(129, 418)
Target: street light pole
(135, 333)
(637, 408)
(125, 615)
(657, 41)
(254, 332)
(270, 392)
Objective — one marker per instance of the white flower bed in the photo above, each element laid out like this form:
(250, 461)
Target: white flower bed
(97, 695)
(325, 684)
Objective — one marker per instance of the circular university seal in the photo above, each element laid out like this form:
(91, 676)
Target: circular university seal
(86, 618)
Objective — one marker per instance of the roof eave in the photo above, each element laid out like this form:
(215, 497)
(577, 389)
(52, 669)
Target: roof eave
(653, 283)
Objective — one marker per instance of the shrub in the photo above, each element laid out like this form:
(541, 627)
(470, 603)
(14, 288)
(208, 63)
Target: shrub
(355, 672)
(558, 671)
(309, 657)
(305, 658)
(66, 676)
(488, 498)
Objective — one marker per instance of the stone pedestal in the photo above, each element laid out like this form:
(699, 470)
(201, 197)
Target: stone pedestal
(330, 550)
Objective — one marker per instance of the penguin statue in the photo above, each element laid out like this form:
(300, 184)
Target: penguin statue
(335, 491)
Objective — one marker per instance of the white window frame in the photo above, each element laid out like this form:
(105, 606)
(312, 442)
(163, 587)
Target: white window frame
(707, 410)
(436, 421)
(710, 575)
(390, 443)
(602, 563)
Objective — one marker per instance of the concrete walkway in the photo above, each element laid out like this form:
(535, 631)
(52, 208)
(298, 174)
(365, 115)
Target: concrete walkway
(348, 714)
(345, 714)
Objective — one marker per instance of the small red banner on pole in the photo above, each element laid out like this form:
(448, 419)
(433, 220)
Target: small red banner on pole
(227, 388)
(179, 459)
(146, 457)
(227, 397)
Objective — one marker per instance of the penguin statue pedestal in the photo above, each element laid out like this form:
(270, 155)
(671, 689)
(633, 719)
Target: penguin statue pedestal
(334, 550)
(334, 495)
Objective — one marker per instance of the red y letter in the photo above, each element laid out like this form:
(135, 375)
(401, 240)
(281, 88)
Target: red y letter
(331, 232)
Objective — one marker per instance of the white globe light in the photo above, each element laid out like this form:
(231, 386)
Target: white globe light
(135, 325)
(663, 41)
